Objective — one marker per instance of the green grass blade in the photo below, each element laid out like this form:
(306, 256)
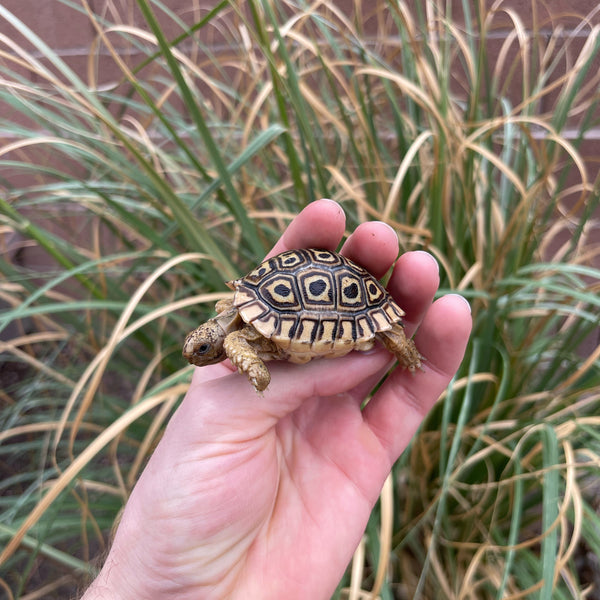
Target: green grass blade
(550, 505)
(232, 198)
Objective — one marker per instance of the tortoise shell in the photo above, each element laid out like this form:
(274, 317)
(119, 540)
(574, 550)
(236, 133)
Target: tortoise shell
(314, 303)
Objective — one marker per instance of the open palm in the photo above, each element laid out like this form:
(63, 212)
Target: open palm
(267, 496)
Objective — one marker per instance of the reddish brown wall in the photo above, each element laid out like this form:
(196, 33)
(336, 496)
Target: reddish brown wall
(71, 34)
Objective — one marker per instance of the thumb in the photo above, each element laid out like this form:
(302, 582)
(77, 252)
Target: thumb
(229, 404)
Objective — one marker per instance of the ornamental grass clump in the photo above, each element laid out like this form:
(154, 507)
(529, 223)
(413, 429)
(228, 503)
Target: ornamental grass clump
(133, 188)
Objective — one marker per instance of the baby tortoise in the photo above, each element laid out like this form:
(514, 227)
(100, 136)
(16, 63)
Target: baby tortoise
(299, 305)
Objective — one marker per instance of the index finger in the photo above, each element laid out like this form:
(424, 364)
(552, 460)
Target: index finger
(320, 225)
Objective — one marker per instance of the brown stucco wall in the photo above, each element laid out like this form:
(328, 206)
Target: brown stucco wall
(71, 35)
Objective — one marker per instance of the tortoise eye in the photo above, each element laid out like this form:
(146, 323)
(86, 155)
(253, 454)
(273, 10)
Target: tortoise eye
(203, 348)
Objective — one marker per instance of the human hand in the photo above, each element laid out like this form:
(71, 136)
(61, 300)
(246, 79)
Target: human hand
(267, 496)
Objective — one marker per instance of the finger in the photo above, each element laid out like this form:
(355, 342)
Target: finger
(361, 392)
(326, 377)
(237, 405)
(373, 245)
(207, 373)
(413, 284)
(397, 409)
(320, 225)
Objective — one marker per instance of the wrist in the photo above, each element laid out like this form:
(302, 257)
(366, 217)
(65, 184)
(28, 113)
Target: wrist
(106, 586)
(97, 591)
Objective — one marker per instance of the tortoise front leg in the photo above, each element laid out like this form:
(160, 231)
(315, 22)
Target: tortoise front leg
(246, 349)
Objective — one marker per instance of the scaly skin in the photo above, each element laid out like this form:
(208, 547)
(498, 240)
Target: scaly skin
(241, 348)
(401, 347)
(218, 339)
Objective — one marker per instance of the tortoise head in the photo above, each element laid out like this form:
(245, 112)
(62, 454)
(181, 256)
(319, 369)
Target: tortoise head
(204, 345)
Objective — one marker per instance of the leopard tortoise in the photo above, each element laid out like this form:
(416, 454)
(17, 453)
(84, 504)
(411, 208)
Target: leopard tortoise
(299, 305)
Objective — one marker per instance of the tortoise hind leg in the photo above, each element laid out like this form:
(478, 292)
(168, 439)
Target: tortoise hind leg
(247, 350)
(403, 349)
(223, 304)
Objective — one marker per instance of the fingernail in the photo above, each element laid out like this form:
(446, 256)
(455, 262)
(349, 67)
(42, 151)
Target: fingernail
(330, 201)
(462, 298)
(388, 226)
(430, 257)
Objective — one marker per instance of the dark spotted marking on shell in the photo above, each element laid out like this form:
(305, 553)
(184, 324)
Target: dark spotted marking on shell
(316, 290)
(375, 293)
(282, 290)
(328, 257)
(317, 287)
(279, 292)
(351, 291)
